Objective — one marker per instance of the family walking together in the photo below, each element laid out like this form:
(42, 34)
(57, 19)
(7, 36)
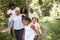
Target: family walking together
(25, 24)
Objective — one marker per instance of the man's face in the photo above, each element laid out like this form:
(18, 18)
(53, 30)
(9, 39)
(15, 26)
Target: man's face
(12, 7)
(31, 10)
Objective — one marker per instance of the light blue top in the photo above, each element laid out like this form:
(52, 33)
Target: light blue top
(18, 22)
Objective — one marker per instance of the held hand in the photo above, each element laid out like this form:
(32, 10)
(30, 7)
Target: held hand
(10, 14)
(33, 26)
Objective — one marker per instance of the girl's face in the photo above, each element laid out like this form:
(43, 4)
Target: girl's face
(25, 22)
(34, 20)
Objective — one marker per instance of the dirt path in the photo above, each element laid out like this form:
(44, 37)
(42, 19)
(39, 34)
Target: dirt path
(4, 30)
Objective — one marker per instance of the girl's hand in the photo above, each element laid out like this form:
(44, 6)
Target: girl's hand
(10, 14)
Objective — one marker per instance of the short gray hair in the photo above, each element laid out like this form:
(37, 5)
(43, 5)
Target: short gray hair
(17, 8)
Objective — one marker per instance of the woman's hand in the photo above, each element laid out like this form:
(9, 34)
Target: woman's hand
(11, 25)
(8, 30)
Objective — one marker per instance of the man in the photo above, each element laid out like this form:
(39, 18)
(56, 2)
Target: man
(32, 14)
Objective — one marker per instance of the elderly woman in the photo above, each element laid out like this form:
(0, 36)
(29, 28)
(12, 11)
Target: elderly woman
(17, 24)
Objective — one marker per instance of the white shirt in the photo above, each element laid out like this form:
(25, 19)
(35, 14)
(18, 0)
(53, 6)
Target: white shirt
(11, 11)
(29, 33)
(34, 14)
(18, 22)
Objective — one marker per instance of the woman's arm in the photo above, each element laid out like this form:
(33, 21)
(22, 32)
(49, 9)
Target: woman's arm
(33, 27)
(11, 25)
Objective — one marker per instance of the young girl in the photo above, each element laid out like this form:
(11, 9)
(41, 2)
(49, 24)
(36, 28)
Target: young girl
(37, 26)
(29, 29)
(35, 23)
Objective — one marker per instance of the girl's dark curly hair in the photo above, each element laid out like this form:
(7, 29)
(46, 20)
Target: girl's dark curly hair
(26, 18)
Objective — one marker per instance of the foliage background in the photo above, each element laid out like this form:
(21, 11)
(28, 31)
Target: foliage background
(48, 10)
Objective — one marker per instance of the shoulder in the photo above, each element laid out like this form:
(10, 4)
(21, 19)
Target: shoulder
(20, 15)
(13, 17)
(8, 11)
(38, 24)
(34, 12)
(29, 12)
(13, 10)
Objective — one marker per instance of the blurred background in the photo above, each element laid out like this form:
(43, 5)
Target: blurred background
(47, 10)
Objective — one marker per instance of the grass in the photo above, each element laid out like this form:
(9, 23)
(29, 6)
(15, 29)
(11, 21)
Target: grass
(54, 30)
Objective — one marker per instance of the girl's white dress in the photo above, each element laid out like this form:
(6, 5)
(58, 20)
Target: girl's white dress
(29, 33)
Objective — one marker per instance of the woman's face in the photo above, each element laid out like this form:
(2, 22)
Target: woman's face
(31, 10)
(23, 10)
(25, 22)
(17, 12)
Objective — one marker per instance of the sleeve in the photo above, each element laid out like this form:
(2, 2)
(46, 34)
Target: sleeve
(38, 26)
(39, 29)
(12, 18)
(8, 12)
